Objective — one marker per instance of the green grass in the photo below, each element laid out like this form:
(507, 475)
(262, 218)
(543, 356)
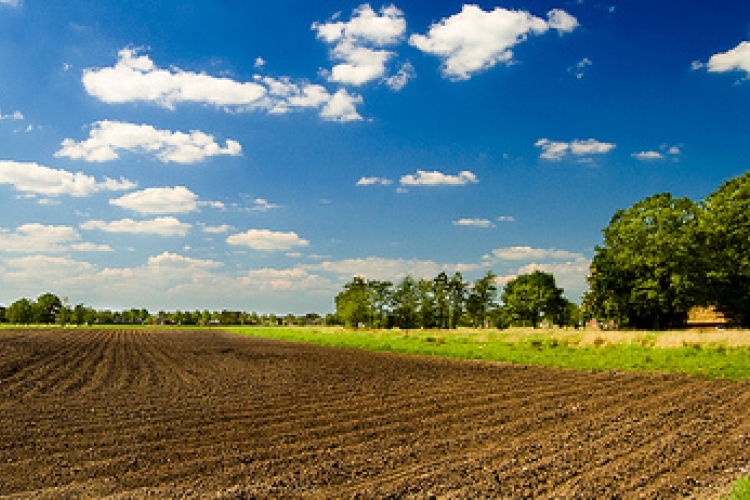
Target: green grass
(541, 349)
(740, 490)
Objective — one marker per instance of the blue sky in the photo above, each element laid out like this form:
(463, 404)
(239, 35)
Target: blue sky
(256, 156)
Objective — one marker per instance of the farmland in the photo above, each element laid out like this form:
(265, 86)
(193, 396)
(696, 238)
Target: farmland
(122, 413)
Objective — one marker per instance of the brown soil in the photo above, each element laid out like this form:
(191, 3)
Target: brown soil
(205, 414)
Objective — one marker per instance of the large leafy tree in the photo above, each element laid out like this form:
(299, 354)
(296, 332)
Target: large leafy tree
(46, 308)
(647, 273)
(529, 298)
(725, 237)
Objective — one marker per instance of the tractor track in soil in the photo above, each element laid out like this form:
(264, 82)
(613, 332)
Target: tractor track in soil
(127, 414)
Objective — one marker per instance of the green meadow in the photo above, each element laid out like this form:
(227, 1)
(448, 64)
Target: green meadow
(708, 354)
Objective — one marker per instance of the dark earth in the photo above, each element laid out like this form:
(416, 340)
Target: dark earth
(104, 413)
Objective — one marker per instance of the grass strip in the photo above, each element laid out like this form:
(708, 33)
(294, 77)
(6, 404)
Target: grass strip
(539, 349)
(740, 490)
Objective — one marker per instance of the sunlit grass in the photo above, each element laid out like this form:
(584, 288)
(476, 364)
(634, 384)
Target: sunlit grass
(725, 354)
(740, 490)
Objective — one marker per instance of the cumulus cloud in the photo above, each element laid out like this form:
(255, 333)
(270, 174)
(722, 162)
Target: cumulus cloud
(41, 180)
(388, 269)
(473, 222)
(435, 178)
(108, 137)
(736, 59)
(266, 240)
(506, 218)
(398, 81)
(373, 181)
(359, 43)
(664, 152)
(167, 200)
(556, 150)
(473, 40)
(136, 78)
(160, 226)
(12, 3)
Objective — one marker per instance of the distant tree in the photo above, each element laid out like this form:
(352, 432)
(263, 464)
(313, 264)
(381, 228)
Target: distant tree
(406, 304)
(724, 236)
(647, 272)
(20, 312)
(481, 299)
(46, 308)
(380, 302)
(456, 299)
(529, 298)
(3, 310)
(441, 294)
(353, 303)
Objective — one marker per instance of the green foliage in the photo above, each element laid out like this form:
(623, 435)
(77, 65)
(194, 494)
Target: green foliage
(20, 312)
(725, 236)
(529, 298)
(647, 273)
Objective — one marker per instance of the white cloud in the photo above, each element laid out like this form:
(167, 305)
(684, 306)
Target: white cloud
(263, 239)
(161, 226)
(372, 181)
(506, 218)
(296, 279)
(736, 59)
(263, 205)
(107, 137)
(529, 253)
(41, 180)
(389, 269)
(398, 81)
(473, 222)
(135, 78)
(224, 228)
(259, 62)
(166, 200)
(359, 43)
(16, 115)
(474, 40)
(40, 238)
(555, 150)
(648, 155)
(35, 237)
(12, 3)
(342, 107)
(561, 21)
(435, 178)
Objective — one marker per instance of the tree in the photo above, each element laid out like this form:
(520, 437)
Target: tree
(481, 299)
(646, 274)
(352, 304)
(530, 297)
(20, 312)
(46, 308)
(456, 299)
(406, 304)
(724, 234)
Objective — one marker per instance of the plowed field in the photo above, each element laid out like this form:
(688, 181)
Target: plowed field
(204, 414)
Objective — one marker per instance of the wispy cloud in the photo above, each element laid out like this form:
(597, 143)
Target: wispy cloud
(161, 226)
(557, 150)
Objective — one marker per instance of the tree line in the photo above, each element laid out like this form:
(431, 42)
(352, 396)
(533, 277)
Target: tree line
(448, 302)
(49, 309)
(664, 255)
